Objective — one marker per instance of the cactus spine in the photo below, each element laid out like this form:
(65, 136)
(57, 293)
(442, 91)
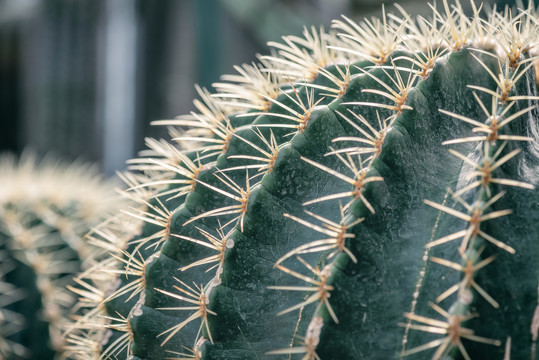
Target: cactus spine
(363, 193)
(45, 210)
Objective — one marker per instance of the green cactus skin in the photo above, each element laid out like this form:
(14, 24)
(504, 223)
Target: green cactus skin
(46, 208)
(362, 194)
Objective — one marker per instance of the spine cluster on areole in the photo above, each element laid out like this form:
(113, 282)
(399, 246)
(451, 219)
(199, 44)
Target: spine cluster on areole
(399, 53)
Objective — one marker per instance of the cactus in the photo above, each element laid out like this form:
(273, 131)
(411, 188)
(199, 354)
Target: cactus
(45, 210)
(367, 193)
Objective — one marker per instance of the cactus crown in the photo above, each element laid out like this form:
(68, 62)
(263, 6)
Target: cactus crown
(362, 193)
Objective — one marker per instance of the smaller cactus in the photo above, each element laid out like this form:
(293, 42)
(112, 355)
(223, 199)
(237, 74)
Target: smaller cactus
(45, 211)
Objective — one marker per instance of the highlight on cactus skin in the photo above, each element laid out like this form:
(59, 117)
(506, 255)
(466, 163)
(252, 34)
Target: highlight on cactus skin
(363, 193)
(46, 208)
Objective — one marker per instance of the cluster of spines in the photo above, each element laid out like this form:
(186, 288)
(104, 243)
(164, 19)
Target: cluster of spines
(275, 84)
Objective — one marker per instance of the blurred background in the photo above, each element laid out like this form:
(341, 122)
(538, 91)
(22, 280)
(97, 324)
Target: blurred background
(84, 78)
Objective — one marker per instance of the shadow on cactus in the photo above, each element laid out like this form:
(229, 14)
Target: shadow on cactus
(46, 208)
(367, 193)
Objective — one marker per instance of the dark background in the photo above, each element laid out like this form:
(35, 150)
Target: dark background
(84, 78)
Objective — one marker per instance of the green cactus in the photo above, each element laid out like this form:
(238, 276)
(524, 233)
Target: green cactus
(45, 210)
(367, 193)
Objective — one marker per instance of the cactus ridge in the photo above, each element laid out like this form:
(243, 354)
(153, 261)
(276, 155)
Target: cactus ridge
(360, 193)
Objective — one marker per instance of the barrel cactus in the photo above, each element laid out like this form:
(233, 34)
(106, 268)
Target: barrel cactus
(363, 193)
(46, 208)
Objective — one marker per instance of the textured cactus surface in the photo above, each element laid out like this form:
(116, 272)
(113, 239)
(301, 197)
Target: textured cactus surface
(45, 210)
(367, 193)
